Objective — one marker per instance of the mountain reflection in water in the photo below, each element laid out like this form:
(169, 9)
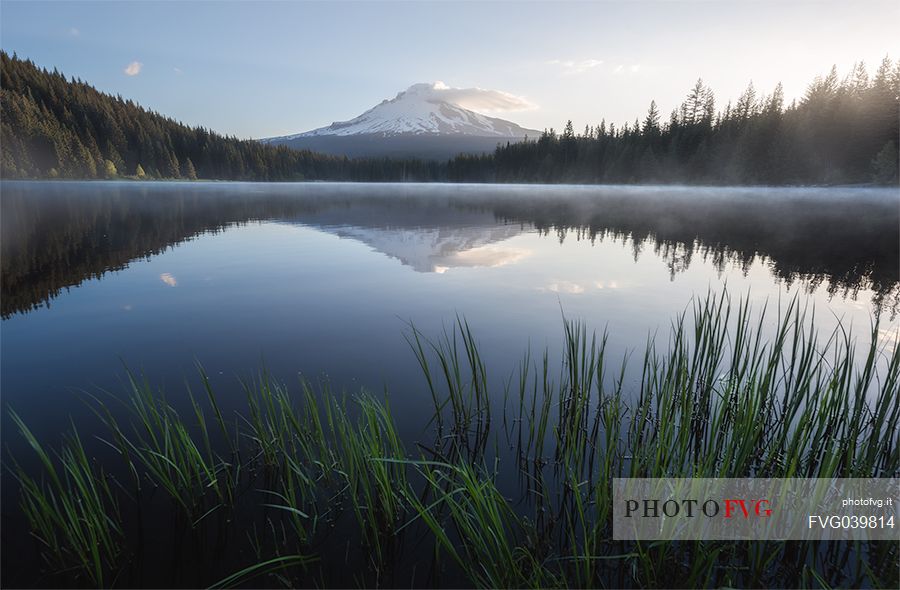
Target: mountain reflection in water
(56, 235)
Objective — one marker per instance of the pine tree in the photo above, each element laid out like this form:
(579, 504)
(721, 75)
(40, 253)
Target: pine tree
(692, 108)
(775, 104)
(884, 166)
(188, 170)
(746, 104)
(172, 167)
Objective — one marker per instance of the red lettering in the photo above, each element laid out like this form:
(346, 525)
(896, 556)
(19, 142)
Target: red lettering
(731, 503)
(766, 512)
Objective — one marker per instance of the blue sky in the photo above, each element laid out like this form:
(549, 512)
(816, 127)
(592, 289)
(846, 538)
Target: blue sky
(258, 69)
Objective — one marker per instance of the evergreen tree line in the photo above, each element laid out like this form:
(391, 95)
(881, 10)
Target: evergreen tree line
(844, 130)
(51, 127)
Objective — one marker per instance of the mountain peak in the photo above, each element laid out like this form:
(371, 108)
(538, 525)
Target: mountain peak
(424, 87)
(425, 108)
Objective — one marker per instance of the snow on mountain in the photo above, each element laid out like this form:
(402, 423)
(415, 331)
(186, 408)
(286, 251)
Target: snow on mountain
(421, 109)
(440, 249)
(421, 234)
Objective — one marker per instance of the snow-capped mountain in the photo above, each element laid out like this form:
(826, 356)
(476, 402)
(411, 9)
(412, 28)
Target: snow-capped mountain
(420, 121)
(423, 235)
(440, 249)
(420, 109)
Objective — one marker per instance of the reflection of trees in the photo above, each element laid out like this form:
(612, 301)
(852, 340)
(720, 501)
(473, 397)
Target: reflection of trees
(849, 244)
(56, 235)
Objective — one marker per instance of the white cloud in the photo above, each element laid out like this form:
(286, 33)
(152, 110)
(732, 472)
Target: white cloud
(572, 66)
(564, 287)
(490, 256)
(133, 69)
(477, 99)
(168, 279)
(74, 32)
(178, 70)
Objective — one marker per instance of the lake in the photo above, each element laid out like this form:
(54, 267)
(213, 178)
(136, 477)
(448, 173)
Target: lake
(324, 281)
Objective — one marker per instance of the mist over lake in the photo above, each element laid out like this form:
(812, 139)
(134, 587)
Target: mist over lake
(323, 278)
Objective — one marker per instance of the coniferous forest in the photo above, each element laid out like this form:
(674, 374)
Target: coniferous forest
(54, 127)
(843, 131)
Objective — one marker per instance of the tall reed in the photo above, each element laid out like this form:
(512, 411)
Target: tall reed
(71, 508)
(733, 392)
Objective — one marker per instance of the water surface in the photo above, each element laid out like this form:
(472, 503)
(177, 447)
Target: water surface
(323, 279)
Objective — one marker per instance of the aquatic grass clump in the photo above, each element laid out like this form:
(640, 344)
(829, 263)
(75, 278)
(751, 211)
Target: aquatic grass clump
(732, 394)
(288, 456)
(790, 406)
(526, 500)
(466, 406)
(323, 459)
(71, 509)
(166, 449)
(472, 522)
(375, 487)
(272, 421)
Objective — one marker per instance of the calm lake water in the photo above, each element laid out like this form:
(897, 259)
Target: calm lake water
(323, 279)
